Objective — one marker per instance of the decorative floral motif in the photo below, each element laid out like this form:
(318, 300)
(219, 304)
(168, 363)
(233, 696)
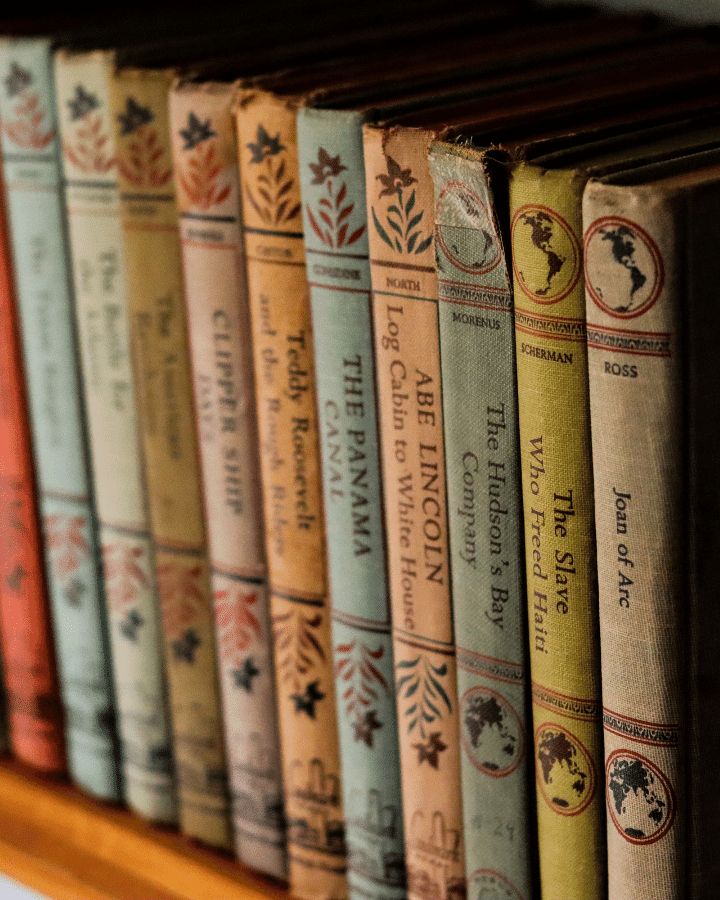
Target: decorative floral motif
(246, 674)
(68, 545)
(124, 580)
(87, 149)
(14, 531)
(142, 161)
(297, 652)
(200, 177)
(270, 197)
(238, 626)
(359, 680)
(180, 597)
(331, 219)
(25, 128)
(400, 229)
(420, 689)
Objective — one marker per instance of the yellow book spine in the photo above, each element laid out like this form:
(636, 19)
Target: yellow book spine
(139, 100)
(556, 463)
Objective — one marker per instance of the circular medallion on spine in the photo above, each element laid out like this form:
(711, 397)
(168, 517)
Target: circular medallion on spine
(465, 230)
(624, 271)
(487, 884)
(492, 734)
(640, 799)
(564, 769)
(547, 258)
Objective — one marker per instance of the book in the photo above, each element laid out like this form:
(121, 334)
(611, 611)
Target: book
(158, 325)
(336, 251)
(31, 164)
(485, 520)
(32, 709)
(92, 205)
(405, 320)
(207, 190)
(290, 476)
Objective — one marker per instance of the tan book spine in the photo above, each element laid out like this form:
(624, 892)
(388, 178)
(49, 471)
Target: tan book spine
(207, 183)
(634, 250)
(290, 474)
(139, 100)
(400, 200)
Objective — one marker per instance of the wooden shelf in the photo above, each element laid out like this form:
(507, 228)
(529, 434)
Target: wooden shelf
(59, 842)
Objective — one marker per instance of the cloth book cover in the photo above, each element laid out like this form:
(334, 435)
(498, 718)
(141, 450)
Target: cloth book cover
(166, 412)
(400, 207)
(206, 182)
(31, 161)
(332, 178)
(101, 310)
(32, 710)
(292, 491)
(485, 520)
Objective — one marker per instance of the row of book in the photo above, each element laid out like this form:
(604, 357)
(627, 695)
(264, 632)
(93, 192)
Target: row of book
(373, 424)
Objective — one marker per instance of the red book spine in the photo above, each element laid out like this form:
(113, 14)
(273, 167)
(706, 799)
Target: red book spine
(34, 712)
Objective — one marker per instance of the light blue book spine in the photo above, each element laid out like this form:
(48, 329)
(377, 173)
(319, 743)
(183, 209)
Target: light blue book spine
(30, 153)
(485, 520)
(336, 246)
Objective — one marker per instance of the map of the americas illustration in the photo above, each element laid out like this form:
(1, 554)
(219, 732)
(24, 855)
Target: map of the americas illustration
(491, 731)
(542, 236)
(622, 242)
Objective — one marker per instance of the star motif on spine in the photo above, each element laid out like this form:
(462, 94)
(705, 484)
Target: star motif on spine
(306, 701)
(15, 579)
(82, 103)
(195, 132)
(431, 749)
(74, 592)
(185, 647)
(134, 116)
(364, 727)
(245, 675)
(17, 80)
(131, 624)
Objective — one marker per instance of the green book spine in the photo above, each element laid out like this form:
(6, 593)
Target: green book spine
(31, 162)
(485, 521)
(336, 251)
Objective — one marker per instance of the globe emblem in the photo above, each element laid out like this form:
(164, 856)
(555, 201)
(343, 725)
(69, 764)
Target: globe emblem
(465, 231)
(564, 770)
(547, 258)
(640, 799)
(492, 734)
(624, 271)
(486, 884)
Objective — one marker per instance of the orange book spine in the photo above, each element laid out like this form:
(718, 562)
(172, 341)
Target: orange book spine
(34, 712)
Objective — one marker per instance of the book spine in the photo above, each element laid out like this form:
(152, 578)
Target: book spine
(290, 472)
(158, 328)
(37, 228)
(206, 179)
(477, 345)
(34, 714)
(95, 234)
(634, 287)
(336, 250)
(407, 354)
(556, 467)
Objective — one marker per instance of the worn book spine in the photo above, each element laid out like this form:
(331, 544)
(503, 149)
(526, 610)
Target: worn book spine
(292, 492)
(400, 205)
(31, 161)
(336, 249)
(95, 235)
(206, 180)
(33, 710)
(153, 268)
(477, 343)
(556, 468)
(634, 283)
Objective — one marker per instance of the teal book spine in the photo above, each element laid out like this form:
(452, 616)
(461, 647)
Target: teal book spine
(30, 154)
(336, 247)
(92, 203)
(485, 523)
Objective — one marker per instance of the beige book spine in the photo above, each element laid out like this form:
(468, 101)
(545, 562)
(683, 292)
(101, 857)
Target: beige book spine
(633, 285)
(290, 473)
(400, 201)
(139, 100)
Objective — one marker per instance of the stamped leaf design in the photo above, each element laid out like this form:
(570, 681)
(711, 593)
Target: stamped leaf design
(124, 575)
(86, 145)
(143, 160)
(14, 531)
(401, 226)
(330, 219)
(297, 653)
(26, 127)
(359, 681)
(237, 621)
(66, 540)
(181, 596)
(424, 701)
(200, 176)
(270, 195)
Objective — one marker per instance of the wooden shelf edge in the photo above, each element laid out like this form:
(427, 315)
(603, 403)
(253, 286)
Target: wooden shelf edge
(56, 840)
